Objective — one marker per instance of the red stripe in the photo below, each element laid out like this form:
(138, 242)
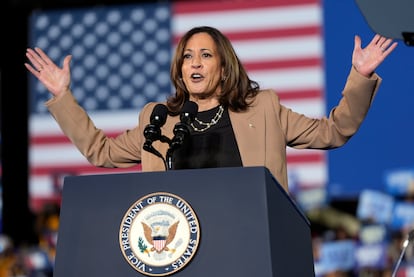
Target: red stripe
(300, 95)
(310, 158)
(279, 64)
(192, 7)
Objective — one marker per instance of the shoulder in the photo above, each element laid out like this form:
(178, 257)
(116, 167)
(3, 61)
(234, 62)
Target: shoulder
(146, 111)
(266, 96)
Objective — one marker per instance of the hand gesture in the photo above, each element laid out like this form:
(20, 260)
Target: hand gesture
(54, 78)
(366, 60)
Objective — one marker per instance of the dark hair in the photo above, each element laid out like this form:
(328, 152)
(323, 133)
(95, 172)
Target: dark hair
(237, 89)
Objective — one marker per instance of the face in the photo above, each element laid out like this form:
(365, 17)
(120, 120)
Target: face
(201, 69)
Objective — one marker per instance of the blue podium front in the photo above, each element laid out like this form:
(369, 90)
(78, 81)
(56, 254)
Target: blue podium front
(234, 222)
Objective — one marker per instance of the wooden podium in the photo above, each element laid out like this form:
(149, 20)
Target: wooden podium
(249, 226)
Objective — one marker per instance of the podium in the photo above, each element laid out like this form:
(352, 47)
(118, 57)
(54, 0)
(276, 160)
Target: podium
(248, 224)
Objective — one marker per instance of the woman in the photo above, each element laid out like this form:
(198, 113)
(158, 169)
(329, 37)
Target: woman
(237, 123)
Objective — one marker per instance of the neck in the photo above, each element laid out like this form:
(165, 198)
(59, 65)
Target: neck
(206, 104)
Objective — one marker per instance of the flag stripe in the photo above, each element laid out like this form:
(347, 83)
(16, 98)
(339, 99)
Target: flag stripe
(271, 64)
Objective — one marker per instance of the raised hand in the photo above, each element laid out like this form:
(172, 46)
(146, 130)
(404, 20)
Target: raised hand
(366, 60)
(54, 78)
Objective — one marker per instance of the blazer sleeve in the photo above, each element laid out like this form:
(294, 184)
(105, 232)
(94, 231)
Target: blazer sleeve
(99, 149)
(343, 121)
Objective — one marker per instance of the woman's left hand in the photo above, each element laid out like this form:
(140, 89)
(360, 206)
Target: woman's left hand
(366, 60)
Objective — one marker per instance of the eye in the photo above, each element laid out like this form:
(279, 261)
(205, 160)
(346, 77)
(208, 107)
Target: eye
(207, 55)
(187, 56)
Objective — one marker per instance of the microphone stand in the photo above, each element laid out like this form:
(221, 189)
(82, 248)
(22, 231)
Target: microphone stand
(148, 147)
(405, 245)
(181, 132)
(169, 159)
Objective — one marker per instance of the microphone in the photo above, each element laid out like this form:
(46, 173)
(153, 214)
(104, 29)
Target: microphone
(409, 238)
(152, 131)
(181, 129)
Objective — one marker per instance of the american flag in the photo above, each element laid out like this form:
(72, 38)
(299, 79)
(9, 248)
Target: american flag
(121, 58)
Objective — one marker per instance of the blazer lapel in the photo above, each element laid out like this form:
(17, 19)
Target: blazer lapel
(249, 129)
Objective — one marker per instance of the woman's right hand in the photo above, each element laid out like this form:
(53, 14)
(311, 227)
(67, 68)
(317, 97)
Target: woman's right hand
(54, 78)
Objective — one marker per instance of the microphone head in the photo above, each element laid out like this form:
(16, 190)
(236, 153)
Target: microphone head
(159, 115)
(188, 112)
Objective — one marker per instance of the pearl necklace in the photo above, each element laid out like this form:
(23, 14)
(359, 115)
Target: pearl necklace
(207, 125)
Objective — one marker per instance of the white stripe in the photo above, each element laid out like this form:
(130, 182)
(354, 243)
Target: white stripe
(290, 79)
(313, 108)
(109, 121)
(298, 47)
(56, 155)
(308, 174)
(41, 124)
(41, 186)
(303, 152)
(251, 19)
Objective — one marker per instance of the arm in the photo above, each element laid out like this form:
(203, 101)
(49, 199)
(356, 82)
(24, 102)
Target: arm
(99, 149)
(357, 96)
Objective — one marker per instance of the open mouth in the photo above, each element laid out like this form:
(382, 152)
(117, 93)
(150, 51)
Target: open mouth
(196, 76)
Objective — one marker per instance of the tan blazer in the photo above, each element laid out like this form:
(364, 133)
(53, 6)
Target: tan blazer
(262, 132)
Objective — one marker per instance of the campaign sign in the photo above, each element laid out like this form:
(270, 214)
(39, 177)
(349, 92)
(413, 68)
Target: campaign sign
(403, 215)
(375, 206)
(400, 181)
(335, 255)
(373, 233)
(371, 256)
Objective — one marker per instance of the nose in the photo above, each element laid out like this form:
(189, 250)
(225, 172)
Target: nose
(196, 62)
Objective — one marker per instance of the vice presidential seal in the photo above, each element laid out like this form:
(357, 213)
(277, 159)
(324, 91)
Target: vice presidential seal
(159, 234)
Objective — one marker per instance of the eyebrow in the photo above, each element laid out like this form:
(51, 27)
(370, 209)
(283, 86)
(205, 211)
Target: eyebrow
(202, 49)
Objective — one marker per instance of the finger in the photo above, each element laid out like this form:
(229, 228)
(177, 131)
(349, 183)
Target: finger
(381, 41)
(31, 69)
(39, 59)
(375, 39)
(386, 48)
(390, 49)
(357, 42)
(66, 61)
(43, 55)
(34, 59)
(386, 43)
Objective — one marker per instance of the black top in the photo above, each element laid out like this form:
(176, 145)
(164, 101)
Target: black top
(214, 147)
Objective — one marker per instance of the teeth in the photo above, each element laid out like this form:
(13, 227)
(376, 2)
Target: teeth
(195, 76)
